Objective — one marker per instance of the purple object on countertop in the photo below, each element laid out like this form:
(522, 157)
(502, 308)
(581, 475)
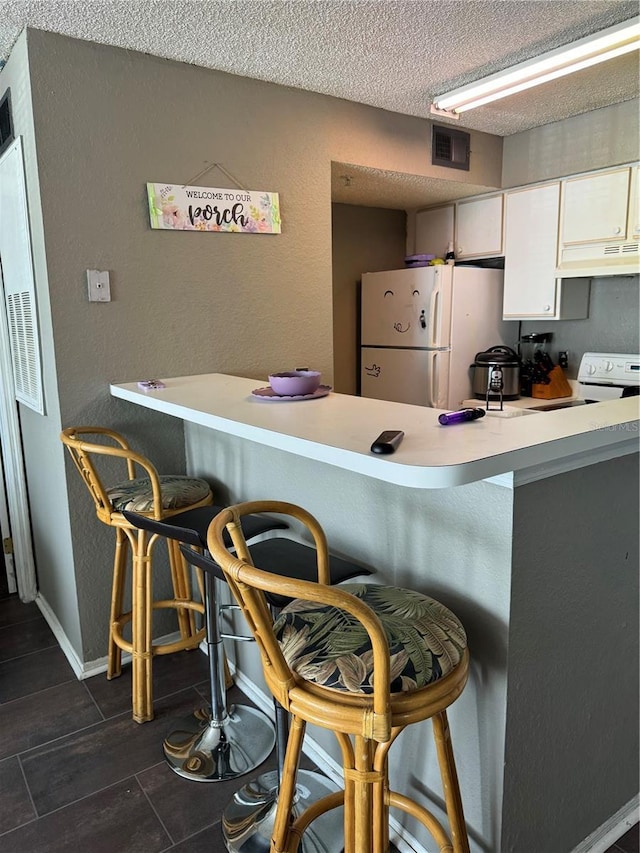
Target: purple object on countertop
(294, 383)
(461, 417)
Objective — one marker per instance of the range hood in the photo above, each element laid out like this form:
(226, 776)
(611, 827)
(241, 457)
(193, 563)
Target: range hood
(599, 259)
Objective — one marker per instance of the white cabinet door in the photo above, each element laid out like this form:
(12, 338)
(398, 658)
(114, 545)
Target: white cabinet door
(595, 207)
(531, 289)
(434, 231)
(531, 233)
(479, 227)
(633, 224)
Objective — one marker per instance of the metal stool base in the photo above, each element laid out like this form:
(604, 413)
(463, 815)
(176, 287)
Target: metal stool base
(203, 752)
(248, 820)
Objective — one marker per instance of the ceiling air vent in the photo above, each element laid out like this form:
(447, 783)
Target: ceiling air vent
(450, 148)
(6, 125)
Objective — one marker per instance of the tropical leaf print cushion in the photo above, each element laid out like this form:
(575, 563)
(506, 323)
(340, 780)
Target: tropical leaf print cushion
(330, 647)
(177, 491)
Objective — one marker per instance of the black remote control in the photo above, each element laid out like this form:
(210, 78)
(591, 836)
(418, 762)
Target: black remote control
(387, 441)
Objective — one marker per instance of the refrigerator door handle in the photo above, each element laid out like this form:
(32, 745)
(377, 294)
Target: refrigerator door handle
(434, 307)
(433, 380)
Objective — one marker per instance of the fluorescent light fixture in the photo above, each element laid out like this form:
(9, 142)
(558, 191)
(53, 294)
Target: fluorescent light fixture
(607, 44)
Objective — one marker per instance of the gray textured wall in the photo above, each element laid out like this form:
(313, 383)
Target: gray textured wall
(572, 718)
(612, 325)
(364, 239)
(593, 140)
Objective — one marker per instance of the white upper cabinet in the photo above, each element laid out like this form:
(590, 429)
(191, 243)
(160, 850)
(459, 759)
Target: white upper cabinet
(531, 289)
(595, 207)
(633, 222)
(434, 231)
(599, 223)
(479, 227)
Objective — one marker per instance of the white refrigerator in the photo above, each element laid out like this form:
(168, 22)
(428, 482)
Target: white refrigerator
(421, 329)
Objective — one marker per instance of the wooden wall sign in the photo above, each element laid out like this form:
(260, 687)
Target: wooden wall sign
(177, 208)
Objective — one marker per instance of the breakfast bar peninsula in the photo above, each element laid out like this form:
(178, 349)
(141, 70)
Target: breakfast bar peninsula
(526, 527)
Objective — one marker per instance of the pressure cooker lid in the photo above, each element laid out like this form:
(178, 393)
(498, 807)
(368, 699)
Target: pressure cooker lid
(497, 355)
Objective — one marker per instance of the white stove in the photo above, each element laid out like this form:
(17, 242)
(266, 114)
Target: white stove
(608, 375)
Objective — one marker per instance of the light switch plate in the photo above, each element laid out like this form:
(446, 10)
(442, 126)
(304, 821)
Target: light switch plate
(98, 286)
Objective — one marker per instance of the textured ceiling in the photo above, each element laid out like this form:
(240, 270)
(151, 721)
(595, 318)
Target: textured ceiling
(392, 54)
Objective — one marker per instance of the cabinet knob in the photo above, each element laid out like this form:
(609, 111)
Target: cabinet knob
(617, 230)
(546, 307)
(460, 250)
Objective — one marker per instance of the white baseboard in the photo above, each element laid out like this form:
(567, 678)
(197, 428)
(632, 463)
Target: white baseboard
(90, 668)
(52, 621)
(612, 829)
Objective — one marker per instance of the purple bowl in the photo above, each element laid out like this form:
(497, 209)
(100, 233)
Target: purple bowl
(294, 383)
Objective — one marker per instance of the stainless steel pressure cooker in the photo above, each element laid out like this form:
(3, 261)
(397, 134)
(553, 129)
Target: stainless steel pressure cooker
(496, 374)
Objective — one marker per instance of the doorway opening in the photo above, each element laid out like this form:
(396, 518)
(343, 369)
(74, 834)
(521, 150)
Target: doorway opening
(8, 582)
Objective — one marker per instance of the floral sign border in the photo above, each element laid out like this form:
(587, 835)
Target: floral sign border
(180, 208)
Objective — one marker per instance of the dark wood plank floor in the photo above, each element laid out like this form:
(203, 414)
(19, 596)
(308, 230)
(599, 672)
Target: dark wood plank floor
(77, 774)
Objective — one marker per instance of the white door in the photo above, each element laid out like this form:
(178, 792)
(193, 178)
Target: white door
(13, 263)
(406, 308)
(5, 532)
(419, 377)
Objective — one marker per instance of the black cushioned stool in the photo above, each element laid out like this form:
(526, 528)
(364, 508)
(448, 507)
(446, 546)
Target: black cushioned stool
(248, 820)
(228, 741)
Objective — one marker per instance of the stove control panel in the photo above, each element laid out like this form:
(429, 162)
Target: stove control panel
(610, 368)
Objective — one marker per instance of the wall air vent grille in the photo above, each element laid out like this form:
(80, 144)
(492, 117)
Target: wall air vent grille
(450, 148)
(22, 335)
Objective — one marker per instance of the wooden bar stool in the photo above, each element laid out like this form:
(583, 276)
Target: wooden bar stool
(139, 487)
(249, 818)
(361, 660)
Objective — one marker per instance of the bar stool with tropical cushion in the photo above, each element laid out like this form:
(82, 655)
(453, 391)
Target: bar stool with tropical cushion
(249, 817)
(361, 660)
(99, 453)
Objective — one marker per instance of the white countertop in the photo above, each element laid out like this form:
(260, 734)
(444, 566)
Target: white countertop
(338, 429)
